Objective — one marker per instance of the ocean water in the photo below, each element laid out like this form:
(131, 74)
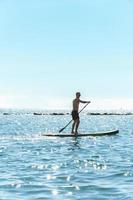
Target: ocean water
(34, 167)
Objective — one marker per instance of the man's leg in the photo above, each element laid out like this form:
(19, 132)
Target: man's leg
(73, 126)
(77, 125)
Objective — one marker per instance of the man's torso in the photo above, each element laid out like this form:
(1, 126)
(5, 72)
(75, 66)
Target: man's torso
(76, 104)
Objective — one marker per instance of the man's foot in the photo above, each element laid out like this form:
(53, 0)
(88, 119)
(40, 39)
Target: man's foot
(72, 132)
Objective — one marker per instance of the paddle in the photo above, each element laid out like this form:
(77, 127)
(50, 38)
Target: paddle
(72, 119)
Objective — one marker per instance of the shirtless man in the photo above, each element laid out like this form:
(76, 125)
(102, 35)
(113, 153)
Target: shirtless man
(75, 115)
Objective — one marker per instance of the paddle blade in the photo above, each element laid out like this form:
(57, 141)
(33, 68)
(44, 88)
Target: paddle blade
(61, 130)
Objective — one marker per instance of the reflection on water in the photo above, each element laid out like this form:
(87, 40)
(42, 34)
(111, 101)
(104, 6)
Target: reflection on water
(36, 167)
(74, 144)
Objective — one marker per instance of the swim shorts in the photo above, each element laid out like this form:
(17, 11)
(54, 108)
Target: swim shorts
(75, 114)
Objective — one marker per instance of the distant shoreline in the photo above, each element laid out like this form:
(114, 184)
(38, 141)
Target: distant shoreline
(64, 113)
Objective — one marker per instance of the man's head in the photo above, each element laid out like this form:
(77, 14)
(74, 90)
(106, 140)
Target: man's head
(78, 94)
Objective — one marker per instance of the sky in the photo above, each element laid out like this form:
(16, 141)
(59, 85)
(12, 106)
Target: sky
(50, 49)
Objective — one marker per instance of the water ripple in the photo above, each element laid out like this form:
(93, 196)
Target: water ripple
(34, 167)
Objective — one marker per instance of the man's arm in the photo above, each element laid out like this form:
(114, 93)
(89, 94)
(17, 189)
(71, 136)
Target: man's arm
(84, 101)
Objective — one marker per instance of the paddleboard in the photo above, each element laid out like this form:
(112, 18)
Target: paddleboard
(105, 133)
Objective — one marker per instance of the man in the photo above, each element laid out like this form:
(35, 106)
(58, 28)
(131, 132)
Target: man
(75, 115)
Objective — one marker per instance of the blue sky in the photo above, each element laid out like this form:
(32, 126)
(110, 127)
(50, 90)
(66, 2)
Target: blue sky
(51, 49)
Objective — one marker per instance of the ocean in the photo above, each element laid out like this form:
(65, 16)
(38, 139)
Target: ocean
(34, 167)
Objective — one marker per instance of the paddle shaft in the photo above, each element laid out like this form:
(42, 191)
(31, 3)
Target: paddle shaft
(72, 119)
